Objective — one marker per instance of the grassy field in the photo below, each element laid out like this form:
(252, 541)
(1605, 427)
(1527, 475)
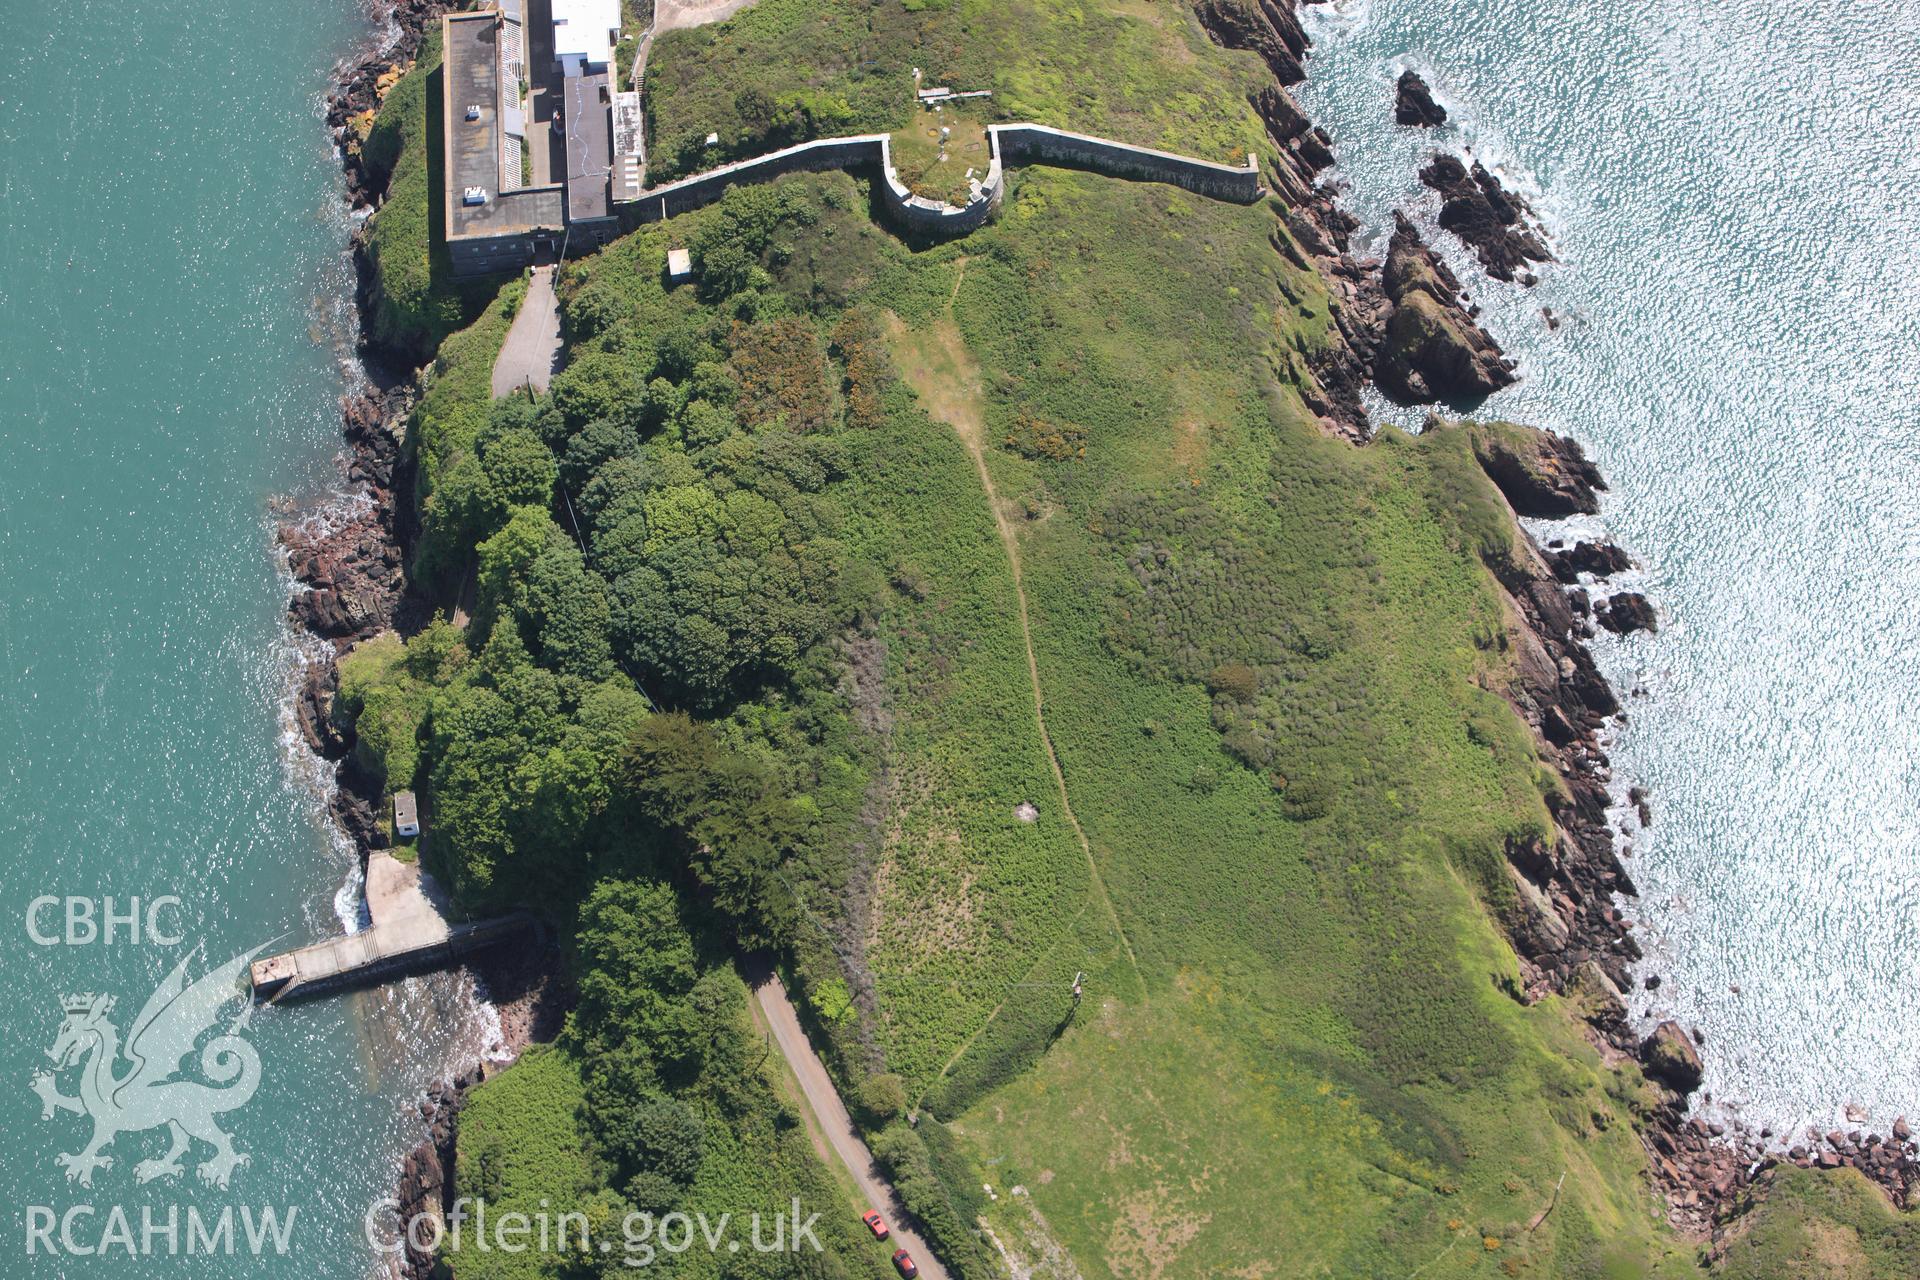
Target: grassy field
(787, 70)
(1258, 652)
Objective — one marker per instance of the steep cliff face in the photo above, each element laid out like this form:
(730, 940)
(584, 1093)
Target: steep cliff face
(1270, 28)
(361, 81)
(1543, 475)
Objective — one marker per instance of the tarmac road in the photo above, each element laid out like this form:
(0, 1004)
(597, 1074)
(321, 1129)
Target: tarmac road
(831, 1114)
(532, 348)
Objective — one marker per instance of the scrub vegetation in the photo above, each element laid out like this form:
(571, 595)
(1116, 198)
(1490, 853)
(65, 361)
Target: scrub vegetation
(658, 1099)
(1832, 1225)
(954, 623)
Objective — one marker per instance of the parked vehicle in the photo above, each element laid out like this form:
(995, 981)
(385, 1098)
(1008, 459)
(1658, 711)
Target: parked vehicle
(903, 1263)
(875, 1223)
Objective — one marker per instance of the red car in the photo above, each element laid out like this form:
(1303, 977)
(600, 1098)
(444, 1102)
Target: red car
(903, 1262)
(875, 1223)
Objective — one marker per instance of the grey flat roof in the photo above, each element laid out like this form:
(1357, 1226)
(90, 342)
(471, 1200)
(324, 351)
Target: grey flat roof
(589, 146)
(471, 77)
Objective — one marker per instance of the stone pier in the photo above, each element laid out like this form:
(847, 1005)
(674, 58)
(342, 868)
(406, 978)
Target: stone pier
(413, 930)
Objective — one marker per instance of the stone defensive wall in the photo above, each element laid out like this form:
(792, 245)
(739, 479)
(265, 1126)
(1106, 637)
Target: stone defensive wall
(937, 216)
(1038, 143)
(864, 151)
(857, 152)
(1007, 145)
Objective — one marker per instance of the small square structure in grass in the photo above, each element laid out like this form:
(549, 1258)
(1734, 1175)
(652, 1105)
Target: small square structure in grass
(679, 266)
(406, 814)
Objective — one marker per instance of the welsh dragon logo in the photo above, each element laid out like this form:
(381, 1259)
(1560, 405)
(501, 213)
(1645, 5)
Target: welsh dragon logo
(150, 1091)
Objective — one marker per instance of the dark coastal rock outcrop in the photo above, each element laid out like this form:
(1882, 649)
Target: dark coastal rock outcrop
(1316, 233)
(1601, 559)
(1413, 103)
(1420, 344)
(1488, 218)
(361, 80)
(348, 559)
(1308, 148)
(426, 1174)
(1270, 28)
(1563, 917)
(1432, 349)
(1625, 613)
(1540, 474)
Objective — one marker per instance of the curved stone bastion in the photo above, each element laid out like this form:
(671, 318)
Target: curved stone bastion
(1007, 145)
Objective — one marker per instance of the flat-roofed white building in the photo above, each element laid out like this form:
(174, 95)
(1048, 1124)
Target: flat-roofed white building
(584, 33)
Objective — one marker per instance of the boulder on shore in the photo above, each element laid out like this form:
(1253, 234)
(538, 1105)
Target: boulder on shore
(1669, 1057)
(1601, 559)
(1413, 103)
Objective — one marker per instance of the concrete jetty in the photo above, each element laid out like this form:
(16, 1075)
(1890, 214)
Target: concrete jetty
(412, 931)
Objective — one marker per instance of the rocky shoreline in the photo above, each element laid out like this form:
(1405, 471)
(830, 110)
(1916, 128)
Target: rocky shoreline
(348, 561)
(1401, 325)
(1404, 326)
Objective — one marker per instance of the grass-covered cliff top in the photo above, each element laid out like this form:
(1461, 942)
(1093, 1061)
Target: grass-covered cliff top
(784, 71)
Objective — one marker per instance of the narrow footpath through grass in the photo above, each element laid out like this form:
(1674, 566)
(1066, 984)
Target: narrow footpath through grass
(943, 373)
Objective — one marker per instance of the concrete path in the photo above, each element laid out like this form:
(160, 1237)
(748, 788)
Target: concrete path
(830, 1114)
(531, 352)
(411, 928)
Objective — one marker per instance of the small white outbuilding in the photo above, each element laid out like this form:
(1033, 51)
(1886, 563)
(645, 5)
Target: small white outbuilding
(406, 814)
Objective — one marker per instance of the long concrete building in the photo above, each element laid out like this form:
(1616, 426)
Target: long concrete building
(529, 132)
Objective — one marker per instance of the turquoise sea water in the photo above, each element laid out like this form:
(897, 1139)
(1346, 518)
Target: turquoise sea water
(172, 294)
(1734, 190)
